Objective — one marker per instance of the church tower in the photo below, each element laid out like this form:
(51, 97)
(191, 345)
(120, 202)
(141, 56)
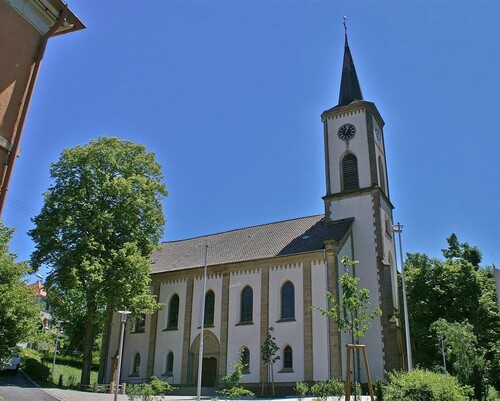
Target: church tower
(357, 187)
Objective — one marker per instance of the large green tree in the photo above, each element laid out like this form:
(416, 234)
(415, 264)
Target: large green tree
(19, 314)
(101, 219)
(455, 289)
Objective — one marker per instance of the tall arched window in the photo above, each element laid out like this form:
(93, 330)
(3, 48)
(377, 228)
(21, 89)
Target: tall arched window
(246, 313)
(173, 312)
(350, 179)
(287, 301)
(381, 172)
(209, 308)
(136, 367)
(288, 358)
(245, 359)
(170, 363)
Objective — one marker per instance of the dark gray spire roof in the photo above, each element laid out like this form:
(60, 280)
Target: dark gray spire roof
(349, 84)
(288, 237)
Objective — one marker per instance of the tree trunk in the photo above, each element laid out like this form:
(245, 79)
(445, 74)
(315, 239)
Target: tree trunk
(88, 343)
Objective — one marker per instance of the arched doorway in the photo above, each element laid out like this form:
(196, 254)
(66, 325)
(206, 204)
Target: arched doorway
(209, 369)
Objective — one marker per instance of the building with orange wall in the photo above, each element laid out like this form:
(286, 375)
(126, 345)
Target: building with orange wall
(25, 28)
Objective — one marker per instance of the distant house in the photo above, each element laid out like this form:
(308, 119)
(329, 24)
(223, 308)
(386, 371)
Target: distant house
(40, 294)
(270, 275)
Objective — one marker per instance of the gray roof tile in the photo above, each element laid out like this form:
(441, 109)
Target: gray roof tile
(287, 237)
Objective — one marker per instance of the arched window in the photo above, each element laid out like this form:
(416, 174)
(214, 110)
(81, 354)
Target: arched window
(245, 359)
(140, 324)
(381, 173)
(137, 365)
(173, 312)
(246, 314)
(350, 179)
(288, 358)
(170, 363)
(209, 308)
(287, 301)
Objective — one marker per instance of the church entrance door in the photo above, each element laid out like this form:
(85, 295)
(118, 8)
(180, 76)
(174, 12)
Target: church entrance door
(209, 372)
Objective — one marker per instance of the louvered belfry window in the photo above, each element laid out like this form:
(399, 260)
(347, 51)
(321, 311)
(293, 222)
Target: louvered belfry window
(350, 177)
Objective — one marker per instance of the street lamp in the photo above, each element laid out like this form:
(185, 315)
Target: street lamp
(58, 330)
(398, 228)
(124, 314)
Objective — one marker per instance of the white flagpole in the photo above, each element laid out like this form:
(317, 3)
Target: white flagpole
(202, 325)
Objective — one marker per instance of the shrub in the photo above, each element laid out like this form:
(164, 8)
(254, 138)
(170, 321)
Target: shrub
(160, 387)
(326, 388)
(143, 392)
(321, 389)
(301, 389)
(36, 369)
(236, 392)
(423, 385)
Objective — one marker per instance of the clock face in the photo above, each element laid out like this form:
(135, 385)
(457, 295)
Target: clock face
(347, 131)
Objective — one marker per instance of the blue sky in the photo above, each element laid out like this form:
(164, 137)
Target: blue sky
(228, 95)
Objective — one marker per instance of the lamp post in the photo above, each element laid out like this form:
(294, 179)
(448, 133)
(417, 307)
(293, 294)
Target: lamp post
(124, 314)
(58, 330)
(398, 228)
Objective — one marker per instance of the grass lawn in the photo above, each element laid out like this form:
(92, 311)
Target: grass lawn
(69, 376)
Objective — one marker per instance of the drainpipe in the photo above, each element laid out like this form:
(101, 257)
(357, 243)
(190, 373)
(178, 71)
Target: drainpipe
(24, 110)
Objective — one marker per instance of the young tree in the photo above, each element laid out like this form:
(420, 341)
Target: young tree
(467, 359)
(101, 219)
(351, 313)
(268, 355)
(19, 314)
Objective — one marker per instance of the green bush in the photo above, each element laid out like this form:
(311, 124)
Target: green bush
(423, 385)
(35, 369)
(301, 389)
(160, 387)
(327, 388)
(236, 392)
(28, 353)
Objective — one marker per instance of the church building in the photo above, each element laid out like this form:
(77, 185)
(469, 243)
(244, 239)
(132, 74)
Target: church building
(270, 275)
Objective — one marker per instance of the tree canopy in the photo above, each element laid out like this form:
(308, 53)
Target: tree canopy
(454, 291)
(101, 218)
(19, 314)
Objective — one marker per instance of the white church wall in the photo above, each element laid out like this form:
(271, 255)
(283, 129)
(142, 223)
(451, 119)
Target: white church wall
(244, 335)
(170, 340)
(319, 322)
(366, 270)
(214, 283)
(135, 343)
(290, 332)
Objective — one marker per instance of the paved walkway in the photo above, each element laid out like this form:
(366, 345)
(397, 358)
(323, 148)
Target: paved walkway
(72, 395)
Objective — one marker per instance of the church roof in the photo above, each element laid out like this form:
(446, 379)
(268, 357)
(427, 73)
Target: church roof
(282, 238)
(350, 90)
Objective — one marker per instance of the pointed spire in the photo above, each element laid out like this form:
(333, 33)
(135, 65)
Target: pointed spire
(349, 84)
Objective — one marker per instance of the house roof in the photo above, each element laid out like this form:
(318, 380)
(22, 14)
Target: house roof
(305, 234)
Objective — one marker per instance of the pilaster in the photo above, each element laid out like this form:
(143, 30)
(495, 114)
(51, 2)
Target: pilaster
(187, 330)
(224, 325)
(152, 334)
(264, 316)
(308, 325)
